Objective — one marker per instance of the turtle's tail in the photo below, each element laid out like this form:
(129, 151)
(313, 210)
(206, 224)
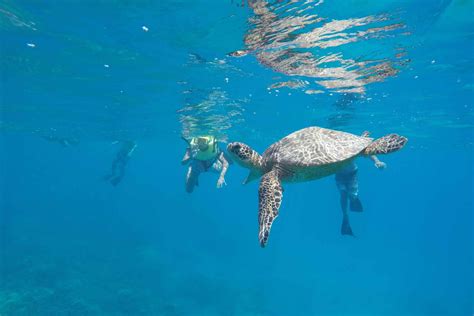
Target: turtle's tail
(386, 145)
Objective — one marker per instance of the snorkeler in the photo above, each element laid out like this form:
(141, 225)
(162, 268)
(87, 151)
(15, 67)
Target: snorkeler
(204, 154)
(120, 161)
(348, 186)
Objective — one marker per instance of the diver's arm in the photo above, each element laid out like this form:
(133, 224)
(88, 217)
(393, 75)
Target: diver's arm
(378, 164)
(186, 157)
(131, 149)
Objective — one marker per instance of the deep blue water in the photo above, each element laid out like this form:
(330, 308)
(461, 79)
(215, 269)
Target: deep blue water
(72, 244)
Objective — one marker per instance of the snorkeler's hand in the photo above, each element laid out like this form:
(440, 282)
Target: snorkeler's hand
(380, 165)
(221, 182)
(186, 157)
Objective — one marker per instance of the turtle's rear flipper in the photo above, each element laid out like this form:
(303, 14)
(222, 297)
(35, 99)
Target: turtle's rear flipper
(270, 194)
(355, 205)
(386, 145)
(346, 227)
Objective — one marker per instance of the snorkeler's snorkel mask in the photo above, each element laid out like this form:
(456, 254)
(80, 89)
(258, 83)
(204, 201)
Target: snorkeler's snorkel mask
(203, 143)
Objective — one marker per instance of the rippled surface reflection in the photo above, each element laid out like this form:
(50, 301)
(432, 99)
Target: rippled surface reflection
(291, 38)
(214, 114)
(208, 109)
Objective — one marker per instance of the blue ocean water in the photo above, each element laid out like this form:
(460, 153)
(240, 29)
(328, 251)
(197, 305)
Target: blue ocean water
(79, 78)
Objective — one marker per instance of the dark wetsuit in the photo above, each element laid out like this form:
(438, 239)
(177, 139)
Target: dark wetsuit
(346, 181)
(120, 161)
(196, 167)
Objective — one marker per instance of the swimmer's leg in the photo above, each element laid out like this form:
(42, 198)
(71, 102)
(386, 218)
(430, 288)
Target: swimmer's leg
(355, 205)
(192, 177)
(116, 180)
(346, 225)
(118, 172)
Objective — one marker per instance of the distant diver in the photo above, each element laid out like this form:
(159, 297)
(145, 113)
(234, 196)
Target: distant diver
(203, 154)
(121, 159)
(63, 141)
(196, 59)
(348, 186)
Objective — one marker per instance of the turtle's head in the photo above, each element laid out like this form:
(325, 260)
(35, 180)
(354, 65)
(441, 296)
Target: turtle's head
(244, 155)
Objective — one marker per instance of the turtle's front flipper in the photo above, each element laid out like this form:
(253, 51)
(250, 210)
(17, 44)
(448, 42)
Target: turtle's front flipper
(270, 194)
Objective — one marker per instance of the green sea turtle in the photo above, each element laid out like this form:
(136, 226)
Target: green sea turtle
(307, 154)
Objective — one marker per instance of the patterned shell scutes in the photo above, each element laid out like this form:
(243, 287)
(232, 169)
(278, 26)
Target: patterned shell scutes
(315, 146)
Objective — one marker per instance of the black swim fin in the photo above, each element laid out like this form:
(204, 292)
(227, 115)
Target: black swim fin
(355, 205)
(346, 227)
(115, 181)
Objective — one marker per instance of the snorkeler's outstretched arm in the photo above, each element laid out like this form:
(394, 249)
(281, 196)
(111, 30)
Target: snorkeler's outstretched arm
(225, 166)
(378, 164)
(187, 154)
(186, 157)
